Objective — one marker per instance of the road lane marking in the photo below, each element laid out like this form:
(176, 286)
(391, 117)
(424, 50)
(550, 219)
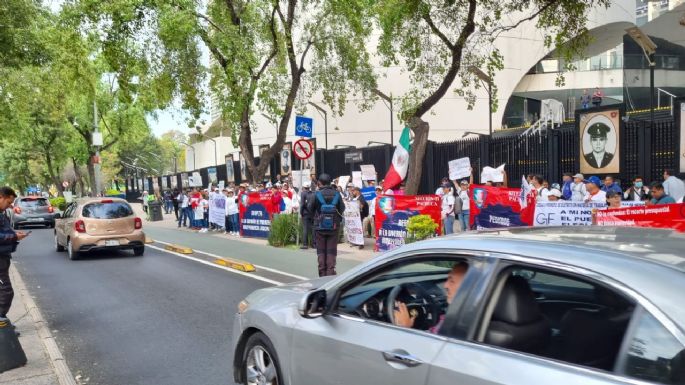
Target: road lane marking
(202, 261)
(299, 277)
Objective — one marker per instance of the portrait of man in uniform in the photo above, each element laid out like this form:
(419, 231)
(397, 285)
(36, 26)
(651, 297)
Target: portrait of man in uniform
(599, 157)
(599, 142)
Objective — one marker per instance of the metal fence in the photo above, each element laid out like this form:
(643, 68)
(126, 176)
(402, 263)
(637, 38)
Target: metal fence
(645, 151)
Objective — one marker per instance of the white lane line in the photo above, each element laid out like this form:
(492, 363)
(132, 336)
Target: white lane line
(301, 278)
(202, 261)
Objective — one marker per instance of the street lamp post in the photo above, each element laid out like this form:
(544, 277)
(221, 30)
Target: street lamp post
(487, 80)
(325, 121)
(192, 148)
(392, 114)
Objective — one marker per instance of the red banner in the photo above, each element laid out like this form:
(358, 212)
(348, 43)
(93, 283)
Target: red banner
(671, 216)
(393, 213)
(496, 207)
(256, 211)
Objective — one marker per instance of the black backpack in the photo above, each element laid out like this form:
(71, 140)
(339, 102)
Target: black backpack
(327, 213)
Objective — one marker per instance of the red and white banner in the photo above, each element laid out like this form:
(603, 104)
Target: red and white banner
(671, 216)
(393, 213)
(256, 211)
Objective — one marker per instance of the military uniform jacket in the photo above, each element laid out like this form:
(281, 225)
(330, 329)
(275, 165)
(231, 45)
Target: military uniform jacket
(590, 159)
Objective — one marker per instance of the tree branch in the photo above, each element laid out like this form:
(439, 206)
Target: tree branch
(235, 19)
(210, 21)
(218, 55)
(274, 48)
(529, 18)
(436, 30)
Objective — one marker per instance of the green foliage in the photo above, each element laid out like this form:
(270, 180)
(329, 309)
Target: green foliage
(420, 227)
(284, 230)
(112, 192)
(59, 202)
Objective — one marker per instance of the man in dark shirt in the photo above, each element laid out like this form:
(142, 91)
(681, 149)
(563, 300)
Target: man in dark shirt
(326, 240)
(8, 243)
(306, 197)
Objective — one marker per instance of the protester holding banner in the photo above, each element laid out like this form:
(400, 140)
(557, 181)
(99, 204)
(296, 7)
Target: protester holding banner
(232, 226)
(369, 222)
(465, 206)
(327, 208)
(363, 209)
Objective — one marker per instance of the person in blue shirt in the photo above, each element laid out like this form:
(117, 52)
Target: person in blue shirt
(659, 196)
(567, 182)
(610, 185)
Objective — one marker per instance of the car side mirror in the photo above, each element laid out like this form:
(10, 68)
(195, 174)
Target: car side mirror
(58, 215)
(313, 304)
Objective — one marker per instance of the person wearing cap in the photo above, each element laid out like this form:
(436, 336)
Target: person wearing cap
(594, 193)
(439, 191)
(463, 194)
(598, 157)
(554, 195)
(447, 208)
(613, 200)
(578, 190)
(306, 197)
(370, 221)
(326, 240)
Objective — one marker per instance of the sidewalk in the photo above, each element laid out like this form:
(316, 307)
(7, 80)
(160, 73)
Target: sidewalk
(45, 365)
(345, 250)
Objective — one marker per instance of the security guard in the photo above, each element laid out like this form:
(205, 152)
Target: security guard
(8, 244)
(599, 157)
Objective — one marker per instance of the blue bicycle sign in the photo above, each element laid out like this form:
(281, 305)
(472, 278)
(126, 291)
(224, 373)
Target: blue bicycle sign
(304, 126)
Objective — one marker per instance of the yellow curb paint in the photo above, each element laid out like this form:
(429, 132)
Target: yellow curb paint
(237, 265)
(149, 240)
(179, 249)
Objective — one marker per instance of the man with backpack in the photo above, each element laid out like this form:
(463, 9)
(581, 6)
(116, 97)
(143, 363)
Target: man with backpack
(327, 207)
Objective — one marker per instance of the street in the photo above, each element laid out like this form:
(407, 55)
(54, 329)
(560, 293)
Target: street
(120, 319)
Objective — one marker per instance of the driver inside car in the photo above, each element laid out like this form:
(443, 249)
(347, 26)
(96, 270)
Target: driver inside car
(451, 285)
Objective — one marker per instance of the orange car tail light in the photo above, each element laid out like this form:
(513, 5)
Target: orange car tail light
(138, 223)
(80, 226)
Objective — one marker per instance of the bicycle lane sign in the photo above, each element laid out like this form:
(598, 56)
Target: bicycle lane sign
(304, 126)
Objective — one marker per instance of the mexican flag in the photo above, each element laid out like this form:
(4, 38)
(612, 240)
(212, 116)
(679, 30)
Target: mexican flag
(400, 162)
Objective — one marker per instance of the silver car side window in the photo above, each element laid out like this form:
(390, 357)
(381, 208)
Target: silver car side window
(652, 353)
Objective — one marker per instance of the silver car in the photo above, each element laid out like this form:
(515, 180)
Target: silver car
(582, 305)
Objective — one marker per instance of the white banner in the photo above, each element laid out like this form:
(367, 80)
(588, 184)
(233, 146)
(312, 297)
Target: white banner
(492, 174)
(299, 177)
(343, 180)
(459, 168)
(565, 213)
(353, 223)
(357, 179)
(217, 209)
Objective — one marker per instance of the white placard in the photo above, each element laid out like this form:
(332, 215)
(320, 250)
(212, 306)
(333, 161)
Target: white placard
(299, 177)
(353, 223)
(222, 184)
(343, 180)
(494, 175)
(357, 178)
(368, 172)
(459, 168)
(563, 213)
(68, 196)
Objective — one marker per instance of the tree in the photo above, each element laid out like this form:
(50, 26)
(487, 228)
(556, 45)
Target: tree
(261, 50)
(436, 41)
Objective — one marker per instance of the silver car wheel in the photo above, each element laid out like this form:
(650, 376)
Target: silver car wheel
(260, 367)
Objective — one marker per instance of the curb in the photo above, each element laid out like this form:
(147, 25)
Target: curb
(62, 371)
(179, 249)
(234, 264)
(149, 240)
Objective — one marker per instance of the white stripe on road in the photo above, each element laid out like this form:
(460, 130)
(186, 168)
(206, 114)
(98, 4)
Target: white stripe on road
(257, 266)
(202, 261)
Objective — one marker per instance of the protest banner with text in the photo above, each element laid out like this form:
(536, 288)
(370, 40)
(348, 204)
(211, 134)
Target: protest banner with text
(393, 213)
(671, 216)
(353, 223)
(256, 211)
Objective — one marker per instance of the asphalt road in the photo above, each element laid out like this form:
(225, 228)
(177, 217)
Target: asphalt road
(120, 319)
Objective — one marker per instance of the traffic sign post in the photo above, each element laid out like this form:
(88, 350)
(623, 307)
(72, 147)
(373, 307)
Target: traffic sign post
(304, 126)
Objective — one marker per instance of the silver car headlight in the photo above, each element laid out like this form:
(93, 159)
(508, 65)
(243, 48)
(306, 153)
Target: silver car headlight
(243, 306)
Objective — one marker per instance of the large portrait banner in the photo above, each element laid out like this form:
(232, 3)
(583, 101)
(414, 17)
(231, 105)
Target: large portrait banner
(599, 142)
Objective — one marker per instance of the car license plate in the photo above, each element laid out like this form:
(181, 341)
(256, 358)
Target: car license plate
(36, 219)
(112, 243)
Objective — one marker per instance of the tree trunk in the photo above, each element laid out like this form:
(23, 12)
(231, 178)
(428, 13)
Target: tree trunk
(418, 151)
(78, 179)
(91, 172)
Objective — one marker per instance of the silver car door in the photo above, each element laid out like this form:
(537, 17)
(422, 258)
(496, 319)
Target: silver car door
(342, 349)
(467, 363)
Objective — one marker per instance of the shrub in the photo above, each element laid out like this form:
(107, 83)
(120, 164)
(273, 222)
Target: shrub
(60, 203)
(112, 192)
(420, 227)
(284, 230)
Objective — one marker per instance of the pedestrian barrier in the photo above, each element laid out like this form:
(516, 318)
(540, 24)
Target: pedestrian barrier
(237, 265)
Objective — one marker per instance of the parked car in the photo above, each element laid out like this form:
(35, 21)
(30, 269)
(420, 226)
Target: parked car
(99, 224)
(32, 211)
(581, 305)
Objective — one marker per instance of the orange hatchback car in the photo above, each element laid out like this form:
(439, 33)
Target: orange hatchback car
(99, 224)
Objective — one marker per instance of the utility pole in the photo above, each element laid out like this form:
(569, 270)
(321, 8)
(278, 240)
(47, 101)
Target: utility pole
(97, 141)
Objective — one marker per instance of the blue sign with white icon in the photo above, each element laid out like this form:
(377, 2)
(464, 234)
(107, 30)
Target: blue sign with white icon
(304, 126)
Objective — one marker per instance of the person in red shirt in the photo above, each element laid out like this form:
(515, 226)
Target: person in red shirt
(195, 198)
(276, 198)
